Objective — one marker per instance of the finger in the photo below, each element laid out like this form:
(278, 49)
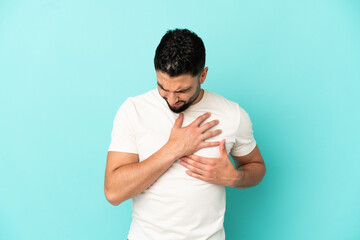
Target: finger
(222, 148)
(179, 121)
(211, 134)
(196, 164)
(198, 176)
(196, 158)
(201, 118)
(204, 163)
(193, 169)
(209, 144)
(209, 125)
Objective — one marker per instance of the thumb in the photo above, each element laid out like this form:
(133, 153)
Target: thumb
(222, 147)
(179, 121)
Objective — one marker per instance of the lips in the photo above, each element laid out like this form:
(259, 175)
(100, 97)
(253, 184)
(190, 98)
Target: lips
(177, 105)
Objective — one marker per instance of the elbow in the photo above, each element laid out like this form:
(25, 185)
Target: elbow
(264, 172)
(262, 175)
(112, 198)
(258, 178)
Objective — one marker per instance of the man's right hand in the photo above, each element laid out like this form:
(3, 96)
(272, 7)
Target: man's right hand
(184, 141)
(126, 177)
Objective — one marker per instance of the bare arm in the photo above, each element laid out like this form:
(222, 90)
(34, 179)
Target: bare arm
(126, 177)
(133, 177)
(250, 169)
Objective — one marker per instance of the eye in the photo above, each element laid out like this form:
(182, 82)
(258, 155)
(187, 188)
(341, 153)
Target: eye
(162, 88)
(183, 91)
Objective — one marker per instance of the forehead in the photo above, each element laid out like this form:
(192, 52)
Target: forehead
(175, 83)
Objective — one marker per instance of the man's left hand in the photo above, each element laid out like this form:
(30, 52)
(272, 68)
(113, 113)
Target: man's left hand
(213, 170)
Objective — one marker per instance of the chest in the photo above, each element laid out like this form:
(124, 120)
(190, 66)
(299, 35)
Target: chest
(153, 130)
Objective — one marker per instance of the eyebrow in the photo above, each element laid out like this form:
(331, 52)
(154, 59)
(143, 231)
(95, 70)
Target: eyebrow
(181, 90)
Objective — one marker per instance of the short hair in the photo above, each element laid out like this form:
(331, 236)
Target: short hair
(180, 51)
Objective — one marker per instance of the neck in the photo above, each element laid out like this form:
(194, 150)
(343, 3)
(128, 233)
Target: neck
(201, 94)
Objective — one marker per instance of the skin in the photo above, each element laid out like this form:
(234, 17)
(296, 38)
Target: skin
(250, 169)
(182, 91)
(249, 172)
(126, 177)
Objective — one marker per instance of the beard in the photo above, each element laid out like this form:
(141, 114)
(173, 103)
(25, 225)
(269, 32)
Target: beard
(186, 104)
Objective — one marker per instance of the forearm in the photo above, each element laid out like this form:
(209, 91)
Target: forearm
(249, 175)
(130, 180)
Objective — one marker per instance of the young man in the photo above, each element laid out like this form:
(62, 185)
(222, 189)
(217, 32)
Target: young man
(169, 149)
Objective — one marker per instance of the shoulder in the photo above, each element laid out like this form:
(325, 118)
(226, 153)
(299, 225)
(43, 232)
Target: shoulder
(227, 106)
(148, 96)
(138, 100)
(215, 98)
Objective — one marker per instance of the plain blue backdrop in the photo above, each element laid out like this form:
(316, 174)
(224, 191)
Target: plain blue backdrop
(66, 66)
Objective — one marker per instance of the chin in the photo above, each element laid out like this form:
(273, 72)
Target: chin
(179, 109)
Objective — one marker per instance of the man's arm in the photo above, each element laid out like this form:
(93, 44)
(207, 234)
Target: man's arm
(126, 177)
(250, 169)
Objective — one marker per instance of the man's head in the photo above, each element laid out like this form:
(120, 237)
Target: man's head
(179, 64)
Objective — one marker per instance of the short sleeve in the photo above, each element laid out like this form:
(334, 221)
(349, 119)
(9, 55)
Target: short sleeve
(244, 140)
(123, 135)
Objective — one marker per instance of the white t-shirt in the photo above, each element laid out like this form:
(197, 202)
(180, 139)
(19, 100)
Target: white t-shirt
(178, 206)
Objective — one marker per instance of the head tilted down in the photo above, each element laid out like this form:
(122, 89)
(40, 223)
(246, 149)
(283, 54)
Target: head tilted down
(179, 64)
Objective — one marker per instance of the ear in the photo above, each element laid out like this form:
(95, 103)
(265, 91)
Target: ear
(203, 75)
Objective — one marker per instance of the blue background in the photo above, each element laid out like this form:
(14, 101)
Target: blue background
(66, 66)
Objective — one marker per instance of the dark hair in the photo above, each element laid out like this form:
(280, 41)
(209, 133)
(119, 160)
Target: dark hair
(180, 51)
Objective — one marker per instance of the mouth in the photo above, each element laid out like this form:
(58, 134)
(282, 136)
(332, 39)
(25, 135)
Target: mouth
(177, 105)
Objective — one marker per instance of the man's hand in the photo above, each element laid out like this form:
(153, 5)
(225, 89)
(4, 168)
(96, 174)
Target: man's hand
(184, 141)
(213, 170)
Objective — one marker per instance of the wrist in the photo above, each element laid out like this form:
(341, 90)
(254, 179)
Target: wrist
(172, 150)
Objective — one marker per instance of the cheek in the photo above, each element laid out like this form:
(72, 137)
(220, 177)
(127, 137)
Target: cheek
(163, 93)
(184, 97)
(191, 96)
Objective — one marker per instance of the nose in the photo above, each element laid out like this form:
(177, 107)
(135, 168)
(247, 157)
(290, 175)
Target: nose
(172, 98)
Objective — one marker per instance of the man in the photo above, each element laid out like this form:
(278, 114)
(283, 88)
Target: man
(169, 149)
